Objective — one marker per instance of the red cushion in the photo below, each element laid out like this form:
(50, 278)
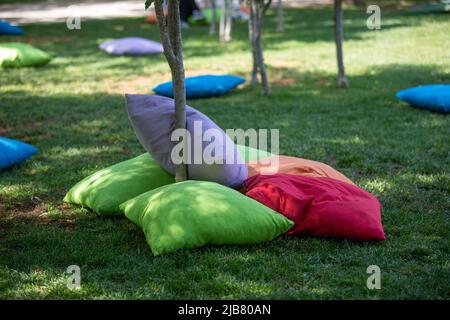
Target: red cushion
(322, 207)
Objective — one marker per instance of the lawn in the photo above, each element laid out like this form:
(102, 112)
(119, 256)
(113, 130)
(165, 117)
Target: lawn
(73, 111)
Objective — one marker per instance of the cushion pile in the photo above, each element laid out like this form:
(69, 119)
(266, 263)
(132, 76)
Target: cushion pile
(279, 194)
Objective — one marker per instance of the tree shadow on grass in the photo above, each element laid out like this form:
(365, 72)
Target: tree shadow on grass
(356, 129)
(395, 151)
(116, 262)
(307, 25)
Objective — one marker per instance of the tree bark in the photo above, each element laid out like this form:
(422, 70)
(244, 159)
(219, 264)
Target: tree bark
(257, 9)
(170, 32)
(213, 26)
(225, 22)
(280, 26)
(339, 35)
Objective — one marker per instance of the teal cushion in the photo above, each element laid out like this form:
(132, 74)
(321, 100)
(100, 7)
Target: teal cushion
(202, 86)
(435, 97)
(14, 152)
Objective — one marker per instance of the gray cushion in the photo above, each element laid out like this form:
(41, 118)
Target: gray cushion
(153, 120)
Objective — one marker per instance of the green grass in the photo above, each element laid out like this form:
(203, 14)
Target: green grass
(73, 111)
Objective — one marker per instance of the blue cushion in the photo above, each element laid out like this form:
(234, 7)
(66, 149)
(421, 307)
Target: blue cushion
(435, 97)
(202, 86)
(13, 152)
(7, 29)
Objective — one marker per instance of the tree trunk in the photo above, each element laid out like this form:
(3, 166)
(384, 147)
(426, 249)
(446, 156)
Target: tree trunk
(170, 32)
(339, 35)
(225, 22)
(257, 9)
(251, 34)
(213, 26)
(280, 27)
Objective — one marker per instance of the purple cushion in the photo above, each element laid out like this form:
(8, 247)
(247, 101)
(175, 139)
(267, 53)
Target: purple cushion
(132, 47)
(153, 120)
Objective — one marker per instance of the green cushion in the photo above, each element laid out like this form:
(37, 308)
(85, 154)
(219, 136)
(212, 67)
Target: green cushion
(191, 214)
(207, 12)
(251, 154)
(105, 190)
(15, 55)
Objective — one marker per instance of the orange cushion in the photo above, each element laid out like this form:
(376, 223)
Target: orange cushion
(295, 166)
(152, 17)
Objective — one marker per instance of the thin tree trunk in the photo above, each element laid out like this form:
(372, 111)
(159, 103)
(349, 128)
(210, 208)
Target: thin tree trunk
(225, 22)
(227, 36)
(258, 8)
(213, 26)
(222, 22)
(259, 49)
(280, 27)
(170, 32)
(251, 34)
(339, 35)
